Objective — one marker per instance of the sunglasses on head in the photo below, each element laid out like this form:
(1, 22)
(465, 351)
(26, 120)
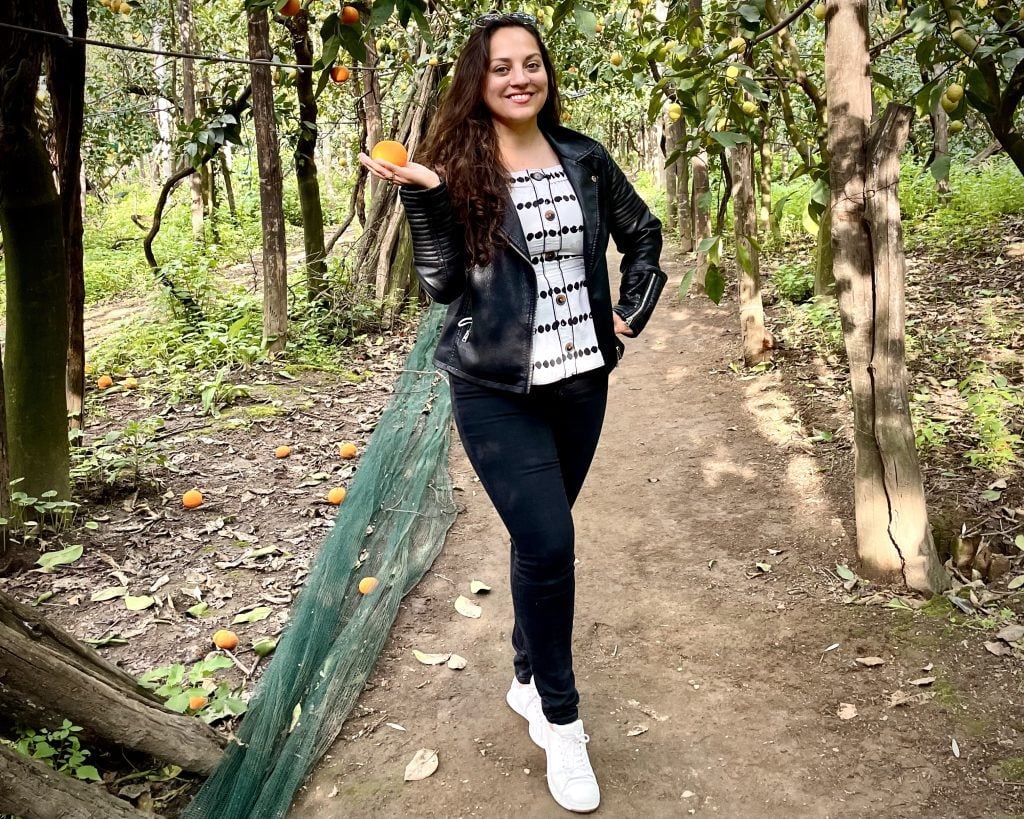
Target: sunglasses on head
(493, 17)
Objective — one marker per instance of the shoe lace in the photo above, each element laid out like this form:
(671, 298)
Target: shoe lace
(574, 753)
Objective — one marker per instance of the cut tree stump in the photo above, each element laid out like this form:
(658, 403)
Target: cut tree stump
(32, 790)
(47, 676)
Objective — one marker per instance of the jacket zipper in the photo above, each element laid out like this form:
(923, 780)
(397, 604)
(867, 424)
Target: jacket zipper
(643, 300)
(466, 322)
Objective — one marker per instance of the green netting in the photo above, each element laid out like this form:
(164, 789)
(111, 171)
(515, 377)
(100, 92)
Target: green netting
(392, 525)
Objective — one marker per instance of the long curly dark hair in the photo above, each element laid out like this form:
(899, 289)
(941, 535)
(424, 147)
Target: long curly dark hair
(462, 144)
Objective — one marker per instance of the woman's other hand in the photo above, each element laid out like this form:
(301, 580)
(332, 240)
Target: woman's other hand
(621, 328)
(411, 173)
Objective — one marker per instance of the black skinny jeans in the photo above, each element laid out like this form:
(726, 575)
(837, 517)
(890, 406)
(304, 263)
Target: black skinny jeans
(532, 453)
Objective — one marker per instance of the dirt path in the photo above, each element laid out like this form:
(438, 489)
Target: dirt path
(724, 673)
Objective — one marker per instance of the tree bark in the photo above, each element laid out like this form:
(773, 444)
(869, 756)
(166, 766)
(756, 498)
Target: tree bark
(756, 342)
(188, 103)
(370, 106)
(229, 190)
(32, 224)
(164, 107)
(890, 547)
(764, 181)
(48, 676)
(671, 178)
(939, 120)
(66, 80)
(305, 164)
(701, 209)
(824, 275)
(32, 790)
(275, 280)
(680, 170)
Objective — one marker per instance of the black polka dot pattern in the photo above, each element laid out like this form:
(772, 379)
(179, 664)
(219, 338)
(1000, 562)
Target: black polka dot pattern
(564, 340)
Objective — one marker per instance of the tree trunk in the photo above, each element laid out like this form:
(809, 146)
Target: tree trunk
(67, 90)
(379, 245)
(32, 790)
(229, 191)
(764, 182)
(824, 275)
(305, 164)
(188, 104)
(48, 676)
(275, 280)
(893, 539)
(32, 224)
(756, 341)
(370, 106)
(701, 209)
(940, 147)
(10, 559)
(164, 107)
(671, 179)
(680, 170)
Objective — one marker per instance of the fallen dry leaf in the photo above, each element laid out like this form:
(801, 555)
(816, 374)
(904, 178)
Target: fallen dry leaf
(466, 608)
(478, 587)
(870, 662)
(1011, 634)
(430, 659)
(955, 746)
(636, 730)
(999, 649)
(847, 710)
(422, 765)
(898, 698)
(922, 681)
(456, 663)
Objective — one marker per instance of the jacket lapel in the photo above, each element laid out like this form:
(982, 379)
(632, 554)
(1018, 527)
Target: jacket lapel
(513, 229)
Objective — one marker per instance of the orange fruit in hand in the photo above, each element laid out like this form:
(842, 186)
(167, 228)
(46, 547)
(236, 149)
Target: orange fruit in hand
(283, 451)
(339, 74)
(336, 495)
(291, 8)
(105, 381)
(192, 499)
(196, 702)
(225, 638)
(367, 585)
(348, 450)
(390, 151)
(349, 15)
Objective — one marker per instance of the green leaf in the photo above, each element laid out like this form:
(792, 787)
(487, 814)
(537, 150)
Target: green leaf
(729, 139)
(138, 603)
(845, 572)
(586, 22)
(1019, 542)
(87, 772)
(749, 13)
(108, 593)
(198, 610)
(50, 560)
(178, 703)
(940, 167)
(684, 285)
(1016, 583)
(991, 495)
(714, 283)
(380, 12)
(254, 616)
(707, 243)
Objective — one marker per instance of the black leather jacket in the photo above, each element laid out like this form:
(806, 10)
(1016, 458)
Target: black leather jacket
(488, 332)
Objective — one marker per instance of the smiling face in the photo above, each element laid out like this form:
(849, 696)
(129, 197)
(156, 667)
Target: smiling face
(516, 84)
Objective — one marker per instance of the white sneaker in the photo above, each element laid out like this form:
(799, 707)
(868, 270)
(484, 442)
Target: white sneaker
(525, 701)
(571, 779)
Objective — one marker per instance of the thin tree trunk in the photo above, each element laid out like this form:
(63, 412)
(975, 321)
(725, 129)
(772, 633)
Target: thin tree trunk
(49, 676)
(893, 539)
(701, 215)
(939, 120)
(370, 101)
(164, 107)
(188, 104)
(229, 191)
(67, 90)
(275, 280)
(305, 164)
(32, 224)
(10, 559)
(824, 275)
(32, 790)
(756, 341)
(683, 193)
(671, 179)
(764, 181)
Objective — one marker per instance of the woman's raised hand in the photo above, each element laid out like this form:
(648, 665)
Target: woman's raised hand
(412, 173)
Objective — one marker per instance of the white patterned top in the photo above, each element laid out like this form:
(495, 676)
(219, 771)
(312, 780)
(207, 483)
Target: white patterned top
(564, 339)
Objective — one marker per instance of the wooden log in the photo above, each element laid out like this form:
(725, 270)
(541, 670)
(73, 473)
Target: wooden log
(32, 790)
(46, 676)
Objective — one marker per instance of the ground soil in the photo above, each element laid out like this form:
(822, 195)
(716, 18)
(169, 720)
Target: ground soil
(714, 647)
(710, 685)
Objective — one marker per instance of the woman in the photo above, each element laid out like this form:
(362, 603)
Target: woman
(510, 215)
